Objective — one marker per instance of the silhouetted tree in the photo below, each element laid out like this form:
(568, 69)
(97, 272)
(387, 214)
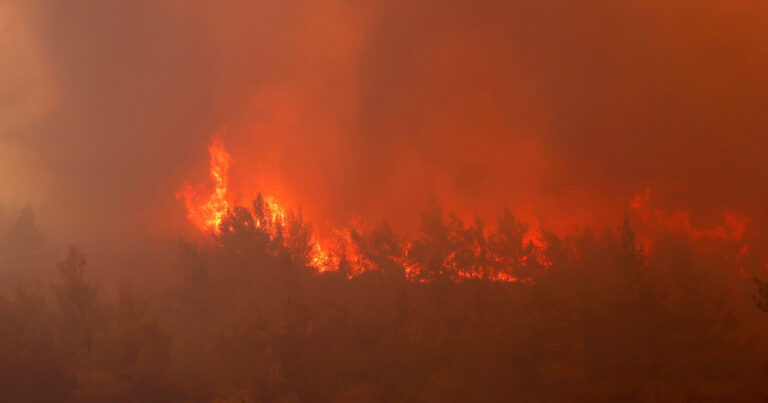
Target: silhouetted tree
(632, 259)
(601, 320)
(473, 254)
(238, 231)
(382, 249)
(761, 299)
(76, 297)
(23, 236)
(32, 366)
(22, 254)
(507, 245)
(435, 246)
(298, 241)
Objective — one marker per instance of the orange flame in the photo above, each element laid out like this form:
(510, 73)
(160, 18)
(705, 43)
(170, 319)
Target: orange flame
(321, 259)
(207, 214)
(731, 230)
(208, 211)
(276, 211)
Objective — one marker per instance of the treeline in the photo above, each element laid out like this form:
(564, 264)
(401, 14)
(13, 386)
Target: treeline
(591, 317)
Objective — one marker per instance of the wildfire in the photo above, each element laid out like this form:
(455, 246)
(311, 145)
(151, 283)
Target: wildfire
(207, 214)
(321, 259)
(209, 209)
(276, 211)
(732, 229)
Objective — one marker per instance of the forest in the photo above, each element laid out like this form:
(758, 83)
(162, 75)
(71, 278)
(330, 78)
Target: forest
(628, 140)
(455, 312)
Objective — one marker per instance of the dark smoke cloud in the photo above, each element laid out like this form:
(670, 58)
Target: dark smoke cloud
(566, 108)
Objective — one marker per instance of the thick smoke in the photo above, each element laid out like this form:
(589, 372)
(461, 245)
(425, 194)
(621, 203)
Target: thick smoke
(569, 113)
(560, 108)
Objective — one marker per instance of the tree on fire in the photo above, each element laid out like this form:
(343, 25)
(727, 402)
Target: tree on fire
(600, 319)
(382, 249)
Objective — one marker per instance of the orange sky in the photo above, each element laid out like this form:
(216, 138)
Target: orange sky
(561, 108)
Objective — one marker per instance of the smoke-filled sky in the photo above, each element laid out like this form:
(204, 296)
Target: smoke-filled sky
(563, 108)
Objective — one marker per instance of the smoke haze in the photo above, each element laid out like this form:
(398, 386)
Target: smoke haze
(560, 108)
(261, 195)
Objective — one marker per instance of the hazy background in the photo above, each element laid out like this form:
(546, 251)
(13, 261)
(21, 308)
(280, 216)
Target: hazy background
(563, 108)
(572, 112)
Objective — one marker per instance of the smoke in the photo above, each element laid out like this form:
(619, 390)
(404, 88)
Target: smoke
(560, 108)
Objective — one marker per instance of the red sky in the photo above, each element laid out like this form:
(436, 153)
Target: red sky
(561, 108)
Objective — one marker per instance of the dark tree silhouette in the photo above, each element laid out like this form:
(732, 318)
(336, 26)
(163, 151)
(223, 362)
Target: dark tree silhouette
(23, 235)
(507, 245)
(594, 317)
(382, 249)
(761, 299)
(432, 252)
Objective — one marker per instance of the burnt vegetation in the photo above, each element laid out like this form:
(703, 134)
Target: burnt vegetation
(591, 316)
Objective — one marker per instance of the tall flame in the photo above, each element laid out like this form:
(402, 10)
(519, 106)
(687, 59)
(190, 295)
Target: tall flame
(208, 211)
(207, 214)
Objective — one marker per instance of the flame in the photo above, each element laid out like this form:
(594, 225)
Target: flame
(276, 211)
(207, 214)
(208, 211)
(732, 229)
(321, 259)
